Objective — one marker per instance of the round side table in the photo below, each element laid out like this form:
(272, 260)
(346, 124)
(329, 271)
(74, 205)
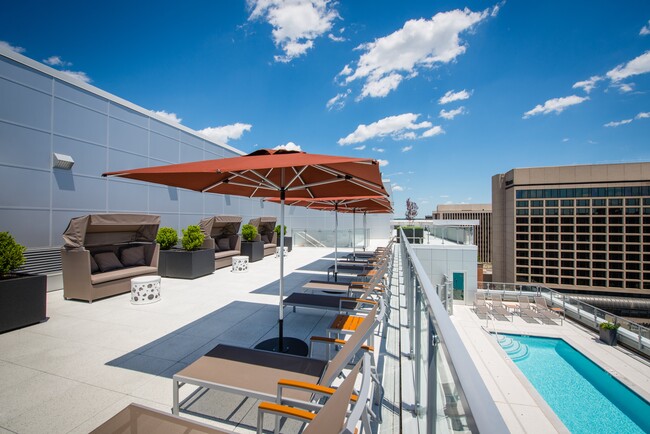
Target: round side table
(277, 251)
(239, 264)
(145, 289)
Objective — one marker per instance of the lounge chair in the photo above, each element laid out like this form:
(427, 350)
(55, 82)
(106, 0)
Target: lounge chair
(480, 307)
(354, 286)
(497, 308)
(526, 312)
(256, 373)
(543, 309)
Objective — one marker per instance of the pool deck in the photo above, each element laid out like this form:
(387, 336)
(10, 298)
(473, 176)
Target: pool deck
(523, 409)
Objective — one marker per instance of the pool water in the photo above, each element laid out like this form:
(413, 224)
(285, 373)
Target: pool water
(584, 396)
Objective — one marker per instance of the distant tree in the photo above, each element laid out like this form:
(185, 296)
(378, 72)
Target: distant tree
(411, 210)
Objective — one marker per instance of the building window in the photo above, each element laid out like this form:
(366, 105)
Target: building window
(598, 202)
(567, 202)
(567, 211)
(632, 202)
(632, 211)
(582, 202)
(522, 203)
(616, 202)
(552, 203)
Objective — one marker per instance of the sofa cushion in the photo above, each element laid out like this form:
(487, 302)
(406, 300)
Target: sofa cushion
(123, 273)
(226, 254)
(107, 261)
(265, 238)
(233, 241)
(132, 256)
(223, 244)
(94, 268)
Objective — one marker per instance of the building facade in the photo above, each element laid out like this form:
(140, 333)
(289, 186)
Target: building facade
(48, 119)
(573, 227)
(480, 212)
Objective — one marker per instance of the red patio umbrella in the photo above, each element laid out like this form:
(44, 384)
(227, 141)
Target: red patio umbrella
(271, 173)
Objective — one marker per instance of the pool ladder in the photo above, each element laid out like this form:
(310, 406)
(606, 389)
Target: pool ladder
(515, 349)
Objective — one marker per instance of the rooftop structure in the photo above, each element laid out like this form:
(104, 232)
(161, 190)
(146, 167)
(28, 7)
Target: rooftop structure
(480, 212)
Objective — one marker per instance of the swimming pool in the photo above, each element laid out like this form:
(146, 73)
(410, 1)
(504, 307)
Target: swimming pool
(584, 396)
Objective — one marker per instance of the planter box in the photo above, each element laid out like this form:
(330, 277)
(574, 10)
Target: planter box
(608, 336)
(253, 249)
(182, 264)
(288, 242)
(22, 301)
(414, 236)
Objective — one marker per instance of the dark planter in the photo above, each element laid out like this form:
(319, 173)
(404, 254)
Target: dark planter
(288, 242)
(253, 249)
(608, 336)
(414, 235)
(22, 301)
(182, 264)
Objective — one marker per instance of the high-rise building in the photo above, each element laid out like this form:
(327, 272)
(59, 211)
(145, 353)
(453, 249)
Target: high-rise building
(480, 212)
(573, 227)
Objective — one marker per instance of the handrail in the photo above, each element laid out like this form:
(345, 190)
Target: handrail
(483, 415)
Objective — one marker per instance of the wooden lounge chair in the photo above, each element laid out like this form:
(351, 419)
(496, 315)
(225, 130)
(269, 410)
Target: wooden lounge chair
(544, 310)
(497, 308)
(256, 373)
(480, 307)
(526, 312)
(347, 288)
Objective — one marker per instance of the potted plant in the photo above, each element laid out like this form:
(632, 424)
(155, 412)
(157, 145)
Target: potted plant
(22, 295)
(608, 331)
(251, 246)
(288, 241)
(189, 262)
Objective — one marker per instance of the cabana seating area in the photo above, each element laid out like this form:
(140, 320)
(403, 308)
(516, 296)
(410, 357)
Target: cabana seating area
(221, 235)
(266, 233)
(103, 252)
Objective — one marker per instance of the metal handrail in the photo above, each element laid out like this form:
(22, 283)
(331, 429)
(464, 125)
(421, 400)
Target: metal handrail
(482, 414)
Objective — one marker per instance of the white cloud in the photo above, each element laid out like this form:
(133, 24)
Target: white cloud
(380, 150)
(444, 196)
(335, 38)
(56, 61)
(226, 132)
(636, 66)
(618, 123)
(407, 148)
(338, 101)
(296, 23)
(77, 75)
(7, 46)
(566, 139)
(452, 113)
(396, 187)
(398, 127)
(382, 163)
(642, 115)
(419, 44)
(360, 148)
(172, 117)
(624, 87)
(290, 146)
(587, 85)
(451, 96)
(557, 105)
(645, 30)
(437, 130)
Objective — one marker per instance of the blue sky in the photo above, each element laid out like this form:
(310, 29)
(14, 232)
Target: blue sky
(444, 93)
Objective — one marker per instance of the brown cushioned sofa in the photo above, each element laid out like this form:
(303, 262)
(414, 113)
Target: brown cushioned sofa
(103, 252)
(221, 236)
(266, 233)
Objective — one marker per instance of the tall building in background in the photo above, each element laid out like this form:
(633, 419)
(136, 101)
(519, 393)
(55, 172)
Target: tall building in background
(480, 212)
(573, 227)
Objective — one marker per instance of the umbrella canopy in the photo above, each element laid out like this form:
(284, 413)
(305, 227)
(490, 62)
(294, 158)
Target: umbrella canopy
(271, 173)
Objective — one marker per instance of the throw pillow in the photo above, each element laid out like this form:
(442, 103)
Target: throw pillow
(265, 238)
(132, 256)
(107, 261)
(233, 241)
(93, 265)
(224, 244)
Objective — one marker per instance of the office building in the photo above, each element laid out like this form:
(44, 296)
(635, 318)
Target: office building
(480, 212)
(573, 227)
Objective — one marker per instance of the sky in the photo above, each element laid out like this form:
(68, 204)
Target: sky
(444, 94)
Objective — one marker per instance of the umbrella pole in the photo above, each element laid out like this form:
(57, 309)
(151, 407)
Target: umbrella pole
(336, 240)
(354, 235)
(364, 231)
(281, 317)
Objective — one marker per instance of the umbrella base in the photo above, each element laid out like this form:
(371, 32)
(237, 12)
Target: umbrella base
(290, 346)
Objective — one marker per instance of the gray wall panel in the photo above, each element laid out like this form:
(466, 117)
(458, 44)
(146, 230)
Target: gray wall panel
(24, 106)
(127, 137)
(79, 122)
(163, 199)
(118, 160)
(127, 196)
(26, 76)
(164, 129)
(186, 220)
(88, 159)
(24, 146)
(195, 141)
(190, 153)
(163, 148)
(13, 220)
(190, 201)
(119, 112)
(78, 192)
(24, 188)
(78, 96)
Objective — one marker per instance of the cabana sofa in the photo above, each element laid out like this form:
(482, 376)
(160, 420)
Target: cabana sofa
(221, 236)
(103, 252)
(266, 233)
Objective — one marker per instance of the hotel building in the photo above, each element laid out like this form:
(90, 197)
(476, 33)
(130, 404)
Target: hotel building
(480, 212)
(573, 227)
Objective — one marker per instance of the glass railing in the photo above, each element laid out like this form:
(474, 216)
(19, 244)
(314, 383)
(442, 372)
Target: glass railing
(305, 237)
(450, 395)
(630, 333)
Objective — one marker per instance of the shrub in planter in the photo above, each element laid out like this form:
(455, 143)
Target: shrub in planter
(608, 332)
(192, 238)
(277, 230)
(11, 254)
(167, 238)
(249, 232)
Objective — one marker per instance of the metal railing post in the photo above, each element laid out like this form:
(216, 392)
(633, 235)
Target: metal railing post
(418, 348)
(432, 383)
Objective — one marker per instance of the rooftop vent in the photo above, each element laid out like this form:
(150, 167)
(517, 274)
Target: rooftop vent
(62, 161)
